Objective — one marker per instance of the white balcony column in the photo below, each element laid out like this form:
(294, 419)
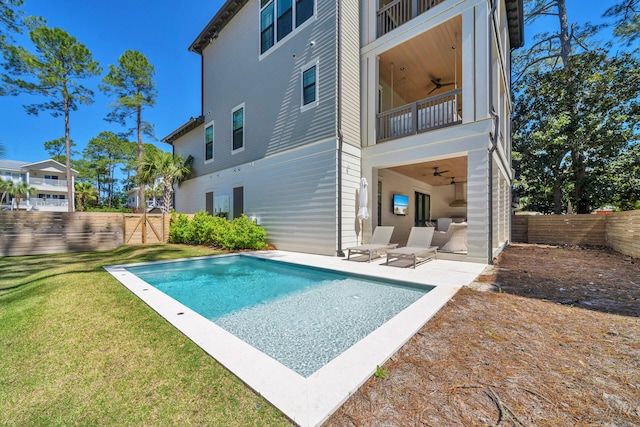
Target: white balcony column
(369, 98)
(468, 65)
(369, 20)
(482, 59)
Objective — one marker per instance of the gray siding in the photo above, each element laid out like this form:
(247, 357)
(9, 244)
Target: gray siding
(270, 89)
(192, 144)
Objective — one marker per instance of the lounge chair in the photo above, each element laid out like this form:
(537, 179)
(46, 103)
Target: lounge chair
(418, 247)
(453, 240)
(379, 242)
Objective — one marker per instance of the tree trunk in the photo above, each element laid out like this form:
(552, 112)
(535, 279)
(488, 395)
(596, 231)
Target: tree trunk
(557, 195)
(142, 203)
(579, 177)
(565, 40)
(166, 198)
(67, 144)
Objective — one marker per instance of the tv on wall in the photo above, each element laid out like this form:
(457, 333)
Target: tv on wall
(400, 204)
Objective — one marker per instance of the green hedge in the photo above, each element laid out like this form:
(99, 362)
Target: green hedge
(205, 229)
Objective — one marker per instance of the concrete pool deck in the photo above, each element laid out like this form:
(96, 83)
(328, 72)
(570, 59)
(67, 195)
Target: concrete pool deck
(310, 401)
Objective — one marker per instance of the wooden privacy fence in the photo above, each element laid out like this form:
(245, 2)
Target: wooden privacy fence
(31, 233)
(618, 230)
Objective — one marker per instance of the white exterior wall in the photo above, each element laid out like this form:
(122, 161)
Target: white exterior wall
(392, 183)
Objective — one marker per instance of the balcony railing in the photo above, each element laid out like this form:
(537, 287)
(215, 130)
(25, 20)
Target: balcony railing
(48, 182)
(397, 12)
(428, 114)
(48, 202)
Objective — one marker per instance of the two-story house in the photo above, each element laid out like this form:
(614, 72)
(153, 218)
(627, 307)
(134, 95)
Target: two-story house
(303, 98)
(46, 177)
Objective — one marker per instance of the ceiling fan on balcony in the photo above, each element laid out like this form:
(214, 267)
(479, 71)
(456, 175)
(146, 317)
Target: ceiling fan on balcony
(438, 85)
(436, 172)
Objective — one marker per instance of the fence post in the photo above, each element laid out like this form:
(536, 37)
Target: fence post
(144, 228)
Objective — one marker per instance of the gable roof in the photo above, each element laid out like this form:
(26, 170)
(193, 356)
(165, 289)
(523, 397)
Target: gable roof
(213, 28)
(17, 165)
(42, 165)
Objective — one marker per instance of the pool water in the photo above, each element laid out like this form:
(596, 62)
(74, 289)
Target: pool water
(302, 317)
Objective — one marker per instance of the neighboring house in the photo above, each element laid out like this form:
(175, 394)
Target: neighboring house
(302, 98)
(48, 177)
(133, 194)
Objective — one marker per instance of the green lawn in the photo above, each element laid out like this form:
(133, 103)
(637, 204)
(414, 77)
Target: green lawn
(77, 348)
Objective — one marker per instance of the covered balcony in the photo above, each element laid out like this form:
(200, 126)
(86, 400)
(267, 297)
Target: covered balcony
(48, 182)
(420, 83)
(393, 13)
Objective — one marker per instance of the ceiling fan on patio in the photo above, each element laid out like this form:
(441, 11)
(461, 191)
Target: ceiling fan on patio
(436, 172)
(439, 85)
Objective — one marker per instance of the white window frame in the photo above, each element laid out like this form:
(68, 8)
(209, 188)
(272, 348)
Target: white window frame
(244, 128)
(315, 63)
(213, 141)
(295, 30)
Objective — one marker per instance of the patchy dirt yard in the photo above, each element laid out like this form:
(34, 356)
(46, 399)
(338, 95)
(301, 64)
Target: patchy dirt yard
(554, 342)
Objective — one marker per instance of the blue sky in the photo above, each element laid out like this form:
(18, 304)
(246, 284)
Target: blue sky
(160, 29)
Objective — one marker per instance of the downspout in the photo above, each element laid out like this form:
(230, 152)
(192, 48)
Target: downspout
(496, 129)
(339, 252)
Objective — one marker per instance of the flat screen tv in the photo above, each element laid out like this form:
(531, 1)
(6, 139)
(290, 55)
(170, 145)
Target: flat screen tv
(400, 204)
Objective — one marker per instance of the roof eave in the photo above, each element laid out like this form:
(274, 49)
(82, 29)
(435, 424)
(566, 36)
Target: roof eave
(183, 130)
(515, 19)
(217, 23)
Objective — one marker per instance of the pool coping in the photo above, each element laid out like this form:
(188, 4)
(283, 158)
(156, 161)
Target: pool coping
(310, 401)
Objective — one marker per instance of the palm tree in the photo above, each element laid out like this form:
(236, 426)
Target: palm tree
(21, 190)
(171, 168)
(85, 193)
(6, 187)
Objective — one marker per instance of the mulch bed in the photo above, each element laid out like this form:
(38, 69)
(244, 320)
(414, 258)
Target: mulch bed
(556, 343)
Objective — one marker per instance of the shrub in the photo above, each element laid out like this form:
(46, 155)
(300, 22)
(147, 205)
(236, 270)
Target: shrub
(179, 231)
(246, 234)
(207, 230)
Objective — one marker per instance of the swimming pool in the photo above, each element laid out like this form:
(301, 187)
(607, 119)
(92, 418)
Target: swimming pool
(309, 400)
(302, 317)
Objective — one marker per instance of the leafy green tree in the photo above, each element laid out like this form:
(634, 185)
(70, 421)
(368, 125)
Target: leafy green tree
(86, 195)
(54, 72)
(105, 153)
(131, 82)
(56, 149)
(620, 182)
(570, 124)
(171, 168)
(10, 19)
(130, 164)
(627, 15)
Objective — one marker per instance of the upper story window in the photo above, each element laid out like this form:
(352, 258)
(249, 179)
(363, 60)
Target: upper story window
(309, 85)
(208, 142)
(237, 115)
(277, 18)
